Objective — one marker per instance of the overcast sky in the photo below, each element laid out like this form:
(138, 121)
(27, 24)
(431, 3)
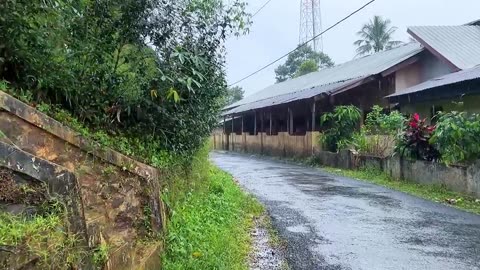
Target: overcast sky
(275, 30)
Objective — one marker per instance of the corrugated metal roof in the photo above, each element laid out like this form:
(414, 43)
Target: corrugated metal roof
(299, 95)
(357, 68)
(452, 78)
(458, 44)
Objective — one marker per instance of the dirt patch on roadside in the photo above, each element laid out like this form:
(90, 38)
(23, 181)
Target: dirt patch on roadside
(11, 192)
(268, 252)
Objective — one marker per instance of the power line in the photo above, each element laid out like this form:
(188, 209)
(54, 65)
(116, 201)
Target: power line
(260, 9)
(305, 43)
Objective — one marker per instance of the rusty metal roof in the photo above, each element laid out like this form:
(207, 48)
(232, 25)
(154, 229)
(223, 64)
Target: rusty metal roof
(326, 79)
(449, 79)
(459, 45)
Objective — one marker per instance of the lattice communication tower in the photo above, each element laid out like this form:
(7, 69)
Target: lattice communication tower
(311, 23)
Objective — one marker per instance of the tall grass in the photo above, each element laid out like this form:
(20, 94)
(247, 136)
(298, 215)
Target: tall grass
(42, 237)
(210, 228)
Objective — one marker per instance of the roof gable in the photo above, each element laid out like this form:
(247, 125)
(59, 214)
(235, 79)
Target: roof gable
(457, 45)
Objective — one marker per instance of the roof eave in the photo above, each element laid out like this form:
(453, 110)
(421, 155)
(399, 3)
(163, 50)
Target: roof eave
(411, 60)
(447, 91)
(351, 86)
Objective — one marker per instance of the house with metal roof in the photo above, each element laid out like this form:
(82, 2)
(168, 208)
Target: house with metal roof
(458, 47)
(370, 75)
(455, 91)
(284, 118)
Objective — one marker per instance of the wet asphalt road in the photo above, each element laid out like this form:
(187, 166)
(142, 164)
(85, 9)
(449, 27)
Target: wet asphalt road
(331, 222)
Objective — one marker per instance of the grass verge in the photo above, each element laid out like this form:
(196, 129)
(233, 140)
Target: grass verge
(434, 193)
(42, 238)
(210, 228)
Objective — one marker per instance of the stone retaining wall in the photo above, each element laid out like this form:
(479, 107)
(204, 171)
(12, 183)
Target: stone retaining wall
(464, 179)
(107, 193)
(59, 180)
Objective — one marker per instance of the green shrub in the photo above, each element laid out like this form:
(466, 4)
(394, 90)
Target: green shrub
(380, 123)
(457, 136)
(339, 127)
(151, 69)
(377, 136)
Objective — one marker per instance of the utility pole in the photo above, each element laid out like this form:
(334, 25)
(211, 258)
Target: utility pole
(311, 23)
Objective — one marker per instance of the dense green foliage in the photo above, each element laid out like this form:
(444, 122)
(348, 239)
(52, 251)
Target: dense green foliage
(457, 136)
(145, 77)
(209, 228)
(339, 127)
(234, 94)
(381, 123)
(376, 36)
(306, 67)
(296, 59)
(149, 70)
(377, 136)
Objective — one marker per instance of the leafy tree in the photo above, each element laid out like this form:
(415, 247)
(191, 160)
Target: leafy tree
(297, 58)
(307, 67)
(234, 94)
(132, 67)
(376, 36)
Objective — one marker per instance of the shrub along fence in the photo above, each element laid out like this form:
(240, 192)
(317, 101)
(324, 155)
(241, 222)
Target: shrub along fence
(426, 154)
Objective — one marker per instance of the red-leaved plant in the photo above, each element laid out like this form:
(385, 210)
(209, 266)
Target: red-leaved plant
(416, 139)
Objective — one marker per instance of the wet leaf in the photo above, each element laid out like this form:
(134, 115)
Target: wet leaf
(196, 254)
(173, 94)
(153, 93)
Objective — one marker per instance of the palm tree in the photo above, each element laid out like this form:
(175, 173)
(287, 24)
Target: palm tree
(376, 36)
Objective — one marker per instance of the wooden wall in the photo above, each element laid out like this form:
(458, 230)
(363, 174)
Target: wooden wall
(283, 144)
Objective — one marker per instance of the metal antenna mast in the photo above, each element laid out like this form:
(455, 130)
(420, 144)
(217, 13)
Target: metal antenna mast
(311, 23)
